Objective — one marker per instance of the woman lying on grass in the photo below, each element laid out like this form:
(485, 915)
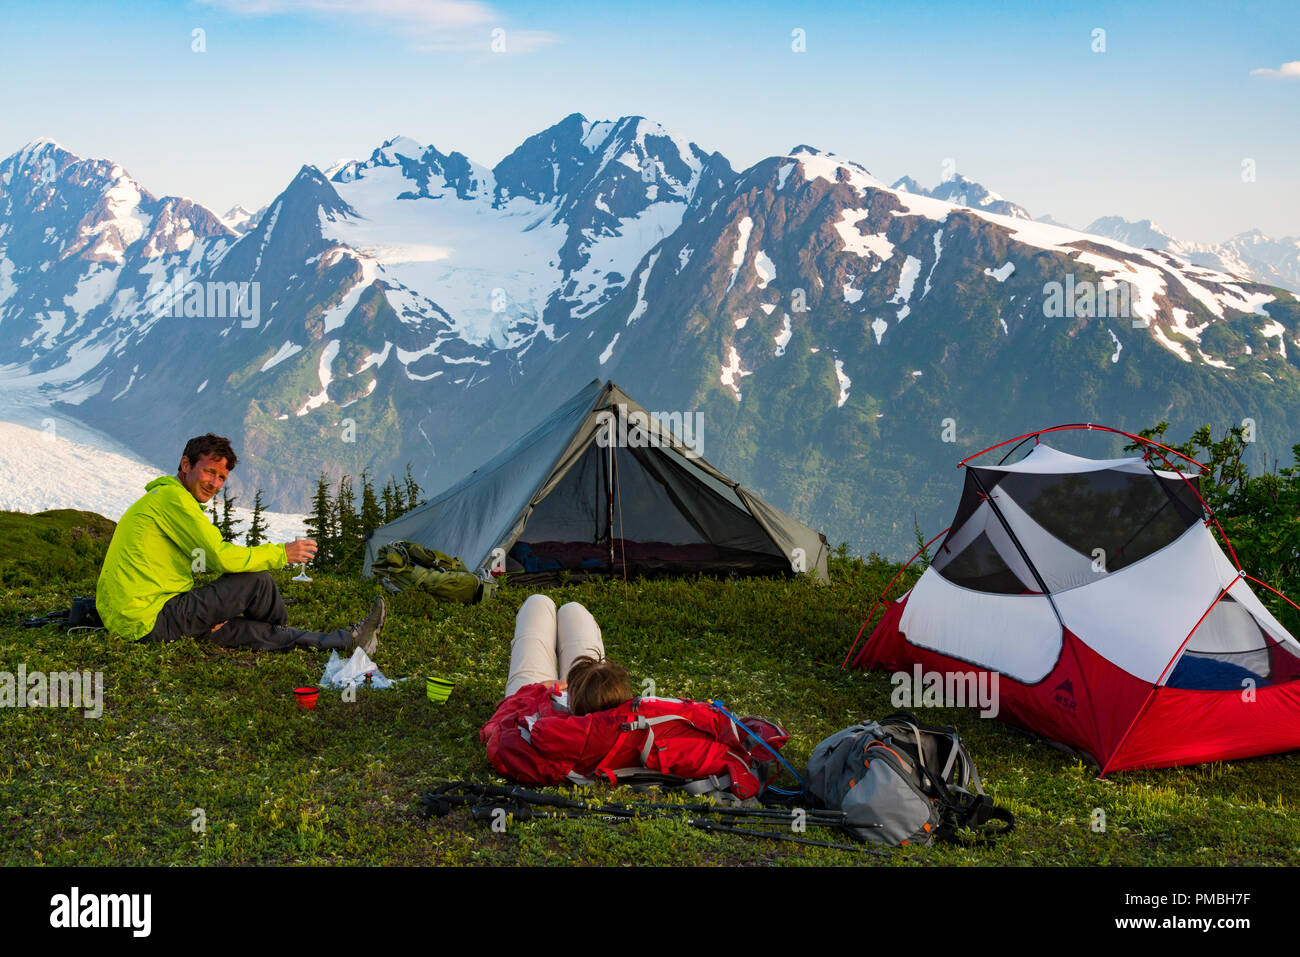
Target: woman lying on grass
(588, 726)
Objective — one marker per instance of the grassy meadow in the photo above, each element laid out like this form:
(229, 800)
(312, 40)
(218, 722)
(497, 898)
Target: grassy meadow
(194, 734)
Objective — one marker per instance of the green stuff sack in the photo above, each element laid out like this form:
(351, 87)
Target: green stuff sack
(404, 565)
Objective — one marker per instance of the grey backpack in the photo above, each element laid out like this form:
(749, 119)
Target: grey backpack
(901, 782)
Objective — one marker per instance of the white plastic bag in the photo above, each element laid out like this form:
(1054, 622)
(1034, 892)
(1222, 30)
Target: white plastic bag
(353, 672)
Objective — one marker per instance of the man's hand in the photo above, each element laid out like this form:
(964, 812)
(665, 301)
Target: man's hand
(218, 626)
(300, 550)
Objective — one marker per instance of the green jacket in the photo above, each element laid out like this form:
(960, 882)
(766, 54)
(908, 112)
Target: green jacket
(160, 542)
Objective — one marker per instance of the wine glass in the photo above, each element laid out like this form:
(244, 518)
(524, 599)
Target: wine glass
(302, 566)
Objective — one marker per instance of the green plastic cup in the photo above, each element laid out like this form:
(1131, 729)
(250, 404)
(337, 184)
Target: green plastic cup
(438, 689)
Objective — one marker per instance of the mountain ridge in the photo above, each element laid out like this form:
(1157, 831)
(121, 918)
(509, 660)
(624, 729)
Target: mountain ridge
(417, 306)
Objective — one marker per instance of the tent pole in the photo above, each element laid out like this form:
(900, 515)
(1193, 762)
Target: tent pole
(881, 599)
(609, 504)
(1020, 548)
(1156, 687)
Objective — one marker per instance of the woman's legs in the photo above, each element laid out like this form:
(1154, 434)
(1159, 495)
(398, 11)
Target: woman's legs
(532, 651)
(546, 642)
(577, 635)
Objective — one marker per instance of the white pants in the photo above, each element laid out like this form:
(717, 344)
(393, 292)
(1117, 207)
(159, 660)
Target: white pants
(547, 642)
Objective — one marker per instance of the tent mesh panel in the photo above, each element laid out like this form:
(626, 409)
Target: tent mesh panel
(1229, 649)
(1117, 516)
(663, 519)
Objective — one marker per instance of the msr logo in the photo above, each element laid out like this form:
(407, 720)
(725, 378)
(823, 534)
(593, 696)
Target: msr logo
(1063, 696)
(102, 910)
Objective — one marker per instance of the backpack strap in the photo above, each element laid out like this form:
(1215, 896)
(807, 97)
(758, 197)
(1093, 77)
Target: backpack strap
(642, 723)
(715, 786)
(961, 808)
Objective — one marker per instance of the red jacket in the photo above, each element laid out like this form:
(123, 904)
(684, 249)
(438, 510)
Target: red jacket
(533, 739)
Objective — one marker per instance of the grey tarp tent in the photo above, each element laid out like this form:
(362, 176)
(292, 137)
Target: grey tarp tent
(600, 486)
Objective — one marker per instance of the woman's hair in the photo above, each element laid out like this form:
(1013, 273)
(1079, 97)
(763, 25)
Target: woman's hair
(597, 685)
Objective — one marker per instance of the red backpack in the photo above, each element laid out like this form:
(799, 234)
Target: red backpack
(533, 739)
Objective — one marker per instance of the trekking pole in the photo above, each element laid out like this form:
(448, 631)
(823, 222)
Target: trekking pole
(704, 824)
(484, 801)
(487, 814)
(440, 800)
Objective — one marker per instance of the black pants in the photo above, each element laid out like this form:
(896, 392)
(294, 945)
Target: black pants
(253, 612)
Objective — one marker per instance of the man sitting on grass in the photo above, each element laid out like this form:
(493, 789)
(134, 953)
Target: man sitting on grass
(146, 588)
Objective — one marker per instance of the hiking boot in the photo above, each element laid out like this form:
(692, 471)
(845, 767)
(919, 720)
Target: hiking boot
(365, 633)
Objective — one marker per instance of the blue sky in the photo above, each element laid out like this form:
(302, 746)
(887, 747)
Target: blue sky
(1156, 126)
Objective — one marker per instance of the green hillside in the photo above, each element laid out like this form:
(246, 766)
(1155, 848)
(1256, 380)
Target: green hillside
(59, 545)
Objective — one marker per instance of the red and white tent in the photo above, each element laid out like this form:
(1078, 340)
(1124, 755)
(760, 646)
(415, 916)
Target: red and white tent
(1118, 628)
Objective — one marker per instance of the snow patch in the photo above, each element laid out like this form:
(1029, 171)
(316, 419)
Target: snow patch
(1175, 347)
(609, 349)
(732, 373)
(1217, 363)
(641, 305)
(783, 337)
(851, 295)
(829, 167)
(1145, 281)
(740, 323)
(376, 359)
(765, 268)
(7, 285)
(334, 318)
(1183, 326)
(855, 242)
(266, 236)
(1275, 328)
(129, 382)
(742, 244)
(1002, 273)
(327, 356)
(906, 283)
(284, 352)
(370, 388)
(879, 326)
(844, 382)
(1118, 346)
(93, 288)
(938, 251)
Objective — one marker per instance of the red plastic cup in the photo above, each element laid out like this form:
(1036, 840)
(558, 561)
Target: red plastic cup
(306, 696)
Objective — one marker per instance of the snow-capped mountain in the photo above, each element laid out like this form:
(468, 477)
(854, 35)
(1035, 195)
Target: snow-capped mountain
(1251, 254)
(414, 306)
(960, 191)
(815, 309)
(81, 245)
(240, 220)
